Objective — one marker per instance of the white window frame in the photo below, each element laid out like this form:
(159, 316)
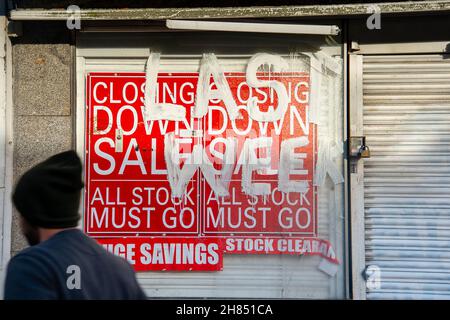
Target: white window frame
(6, 149)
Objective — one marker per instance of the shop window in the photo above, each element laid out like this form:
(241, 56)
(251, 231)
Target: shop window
(222, 176)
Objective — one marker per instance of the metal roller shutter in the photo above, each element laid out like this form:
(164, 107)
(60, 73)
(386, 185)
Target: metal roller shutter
(407, 178)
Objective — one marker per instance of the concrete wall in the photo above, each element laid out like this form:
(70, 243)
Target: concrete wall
(42, 68)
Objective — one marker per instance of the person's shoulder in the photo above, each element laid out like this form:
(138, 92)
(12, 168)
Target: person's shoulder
(24, 252)
(126, 276)
(29, 275)
(30, 252)
(29, 263)
(119, 262)
(35, 256)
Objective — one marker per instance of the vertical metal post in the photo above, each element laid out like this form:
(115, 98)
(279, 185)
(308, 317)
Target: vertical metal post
(356, 179)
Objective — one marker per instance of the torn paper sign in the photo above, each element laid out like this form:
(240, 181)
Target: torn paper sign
(286, 245)
(328, 267)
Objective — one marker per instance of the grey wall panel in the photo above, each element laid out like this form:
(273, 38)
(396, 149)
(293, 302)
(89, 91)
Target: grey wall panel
(42, 103)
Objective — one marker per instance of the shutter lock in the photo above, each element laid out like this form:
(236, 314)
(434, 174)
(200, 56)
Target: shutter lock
(358, 148)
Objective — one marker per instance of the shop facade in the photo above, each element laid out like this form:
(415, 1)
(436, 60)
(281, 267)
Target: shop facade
(306, 157)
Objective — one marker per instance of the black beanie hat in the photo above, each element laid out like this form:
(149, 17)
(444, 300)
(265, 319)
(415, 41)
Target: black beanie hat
(48, 195)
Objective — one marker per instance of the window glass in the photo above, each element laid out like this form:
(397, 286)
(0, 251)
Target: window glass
(214, 161)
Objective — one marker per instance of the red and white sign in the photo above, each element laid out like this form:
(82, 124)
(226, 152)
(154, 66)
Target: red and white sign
(168, 253)
(128, 197)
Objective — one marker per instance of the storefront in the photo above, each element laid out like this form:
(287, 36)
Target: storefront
(284, 152)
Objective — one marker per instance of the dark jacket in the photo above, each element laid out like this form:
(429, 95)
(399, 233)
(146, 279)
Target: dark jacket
(70, 265)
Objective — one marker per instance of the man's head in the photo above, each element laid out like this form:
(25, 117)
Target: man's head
(48, 195)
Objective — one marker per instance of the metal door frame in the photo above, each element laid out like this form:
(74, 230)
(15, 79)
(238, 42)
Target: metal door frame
(356, 180)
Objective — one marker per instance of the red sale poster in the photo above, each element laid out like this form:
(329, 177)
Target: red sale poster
(129, 202)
